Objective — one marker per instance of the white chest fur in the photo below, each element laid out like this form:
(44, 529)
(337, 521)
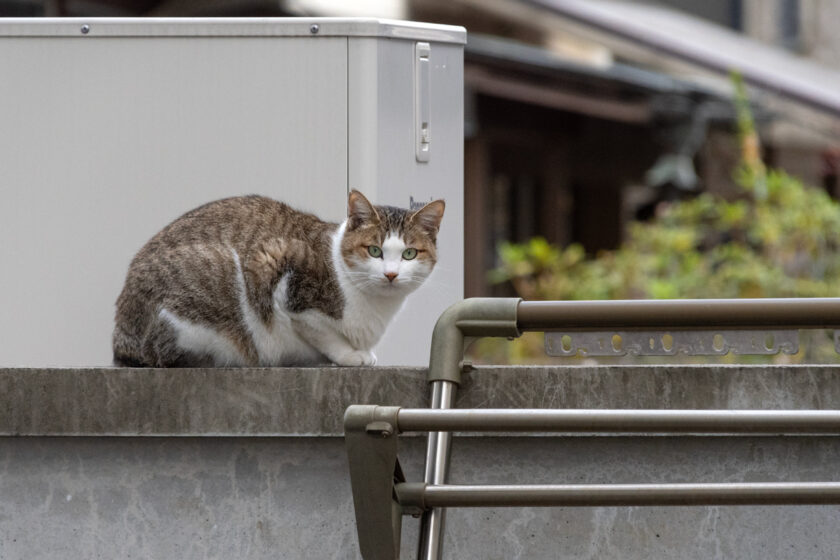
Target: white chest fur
(364, 319)
(366, 313)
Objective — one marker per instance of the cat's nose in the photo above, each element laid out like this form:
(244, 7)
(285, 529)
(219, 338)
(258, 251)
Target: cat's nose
(390, 276)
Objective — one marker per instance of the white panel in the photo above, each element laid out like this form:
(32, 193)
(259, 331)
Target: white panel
(383, 163)
(105, 140)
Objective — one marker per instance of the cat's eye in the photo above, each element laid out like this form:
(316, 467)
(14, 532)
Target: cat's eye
(375, 252)
(409, 254)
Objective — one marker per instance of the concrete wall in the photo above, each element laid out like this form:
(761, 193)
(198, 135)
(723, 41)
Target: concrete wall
(249, 463)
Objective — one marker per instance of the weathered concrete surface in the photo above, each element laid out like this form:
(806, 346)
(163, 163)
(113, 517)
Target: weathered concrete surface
(311, 401)
(174, 498)
(289, 498)
(712, 387)
(641, 533)
(242, 497)
(246, 401)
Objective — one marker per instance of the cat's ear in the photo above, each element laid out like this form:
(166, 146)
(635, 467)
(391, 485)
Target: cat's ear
(359, 210)
(428, 218)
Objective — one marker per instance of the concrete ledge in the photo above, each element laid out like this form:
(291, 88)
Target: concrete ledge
(202, 497)
(311, 401)
(671, 387)
(196, 402)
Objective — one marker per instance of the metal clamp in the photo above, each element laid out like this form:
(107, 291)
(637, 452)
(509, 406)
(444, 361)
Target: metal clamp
(370, 438)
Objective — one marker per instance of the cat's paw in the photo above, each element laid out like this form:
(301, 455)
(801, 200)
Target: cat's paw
(356, 358)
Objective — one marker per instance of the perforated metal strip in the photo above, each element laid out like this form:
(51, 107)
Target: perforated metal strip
(670, 343)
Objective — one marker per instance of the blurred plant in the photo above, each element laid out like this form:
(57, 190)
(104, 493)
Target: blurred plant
(777, 238)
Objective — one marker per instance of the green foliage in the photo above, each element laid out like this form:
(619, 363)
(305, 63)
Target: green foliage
(777, 238)
(786, 244)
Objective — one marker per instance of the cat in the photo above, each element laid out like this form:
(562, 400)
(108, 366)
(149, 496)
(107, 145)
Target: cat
(250, 281)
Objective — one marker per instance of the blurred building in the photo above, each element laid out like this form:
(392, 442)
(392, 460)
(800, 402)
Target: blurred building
(583, 115)
(592, 113)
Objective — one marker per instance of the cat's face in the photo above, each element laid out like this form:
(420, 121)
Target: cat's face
(389, 250)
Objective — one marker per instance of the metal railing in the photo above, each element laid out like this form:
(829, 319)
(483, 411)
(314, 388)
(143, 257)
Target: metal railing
(381, 494)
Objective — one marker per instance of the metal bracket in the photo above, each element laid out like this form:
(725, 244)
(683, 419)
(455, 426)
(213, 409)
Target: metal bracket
(670, 343)
(370, 435)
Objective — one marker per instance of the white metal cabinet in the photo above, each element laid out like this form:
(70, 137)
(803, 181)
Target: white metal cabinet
(111, 128)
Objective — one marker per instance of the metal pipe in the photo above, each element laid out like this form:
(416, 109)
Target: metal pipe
(431, 438)
(625, 421)
(752, 493)
(437, 471)
(814, 313)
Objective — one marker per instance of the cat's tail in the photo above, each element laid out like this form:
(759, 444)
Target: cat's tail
(125, 361)
(126, 349)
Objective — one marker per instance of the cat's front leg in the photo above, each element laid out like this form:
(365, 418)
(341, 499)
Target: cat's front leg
(324, 337)
(355, 358)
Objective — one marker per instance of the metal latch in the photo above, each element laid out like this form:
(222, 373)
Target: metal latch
(422, 101)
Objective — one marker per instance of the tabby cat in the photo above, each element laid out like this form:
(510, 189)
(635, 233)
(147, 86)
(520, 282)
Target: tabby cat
(249, 281)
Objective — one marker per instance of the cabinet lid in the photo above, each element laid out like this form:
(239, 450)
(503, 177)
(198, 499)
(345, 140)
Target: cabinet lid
(231, 27)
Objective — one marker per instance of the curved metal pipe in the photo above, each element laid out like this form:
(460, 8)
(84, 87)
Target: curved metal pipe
(460, 324)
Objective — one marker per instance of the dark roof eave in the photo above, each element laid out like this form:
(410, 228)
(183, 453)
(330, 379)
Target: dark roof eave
(811, 85)
(509, 69)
